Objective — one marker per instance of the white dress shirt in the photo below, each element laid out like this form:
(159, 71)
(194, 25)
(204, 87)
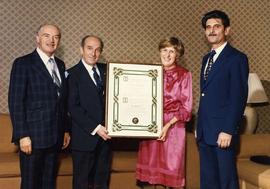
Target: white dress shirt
(90, 71)
(45, 58)
(218, 51)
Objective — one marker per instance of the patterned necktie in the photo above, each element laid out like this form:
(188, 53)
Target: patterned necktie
(210, 63)
(55, 78)
(98, 80)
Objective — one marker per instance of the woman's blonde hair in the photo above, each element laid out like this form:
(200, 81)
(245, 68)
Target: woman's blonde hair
(175, 43)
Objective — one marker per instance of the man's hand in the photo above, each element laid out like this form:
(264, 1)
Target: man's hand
(26, 145)
(224, 140)
(103, 133)
(66, 140)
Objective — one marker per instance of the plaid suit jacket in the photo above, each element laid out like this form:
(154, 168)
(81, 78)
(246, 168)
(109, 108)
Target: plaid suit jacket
(35, 108)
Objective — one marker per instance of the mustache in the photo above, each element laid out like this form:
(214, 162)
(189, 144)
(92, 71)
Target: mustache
(212, 34)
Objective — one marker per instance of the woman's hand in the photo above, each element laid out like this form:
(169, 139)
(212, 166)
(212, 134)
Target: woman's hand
(163, 134)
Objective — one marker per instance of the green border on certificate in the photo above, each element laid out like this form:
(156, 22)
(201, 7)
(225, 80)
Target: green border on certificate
(134, 100)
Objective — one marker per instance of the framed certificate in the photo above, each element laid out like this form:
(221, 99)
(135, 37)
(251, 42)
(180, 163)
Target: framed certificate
(134, 100)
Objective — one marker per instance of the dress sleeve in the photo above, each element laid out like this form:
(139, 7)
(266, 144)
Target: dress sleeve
(184, 98)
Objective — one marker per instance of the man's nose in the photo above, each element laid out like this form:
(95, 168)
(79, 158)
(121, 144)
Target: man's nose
(51, 39)
(212, 30)
(93, 53)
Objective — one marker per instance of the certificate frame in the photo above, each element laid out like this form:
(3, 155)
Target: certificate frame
(134, 100)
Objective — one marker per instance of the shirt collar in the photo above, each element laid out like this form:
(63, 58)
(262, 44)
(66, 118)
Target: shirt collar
(219, 49)
(43, 56)
(87, 65)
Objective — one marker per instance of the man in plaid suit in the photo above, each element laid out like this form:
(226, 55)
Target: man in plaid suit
(37, 105)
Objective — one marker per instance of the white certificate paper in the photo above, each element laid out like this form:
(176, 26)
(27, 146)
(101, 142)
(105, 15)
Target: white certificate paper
(134, 104)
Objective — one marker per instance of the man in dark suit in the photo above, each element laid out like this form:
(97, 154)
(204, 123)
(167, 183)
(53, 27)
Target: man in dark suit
(90, 148)
(224, 89)
(37, 100)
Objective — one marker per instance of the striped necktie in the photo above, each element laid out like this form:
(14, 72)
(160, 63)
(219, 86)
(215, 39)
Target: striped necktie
(55, 78)
(98, 81)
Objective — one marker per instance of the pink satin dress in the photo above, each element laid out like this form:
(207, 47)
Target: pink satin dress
(164, 162)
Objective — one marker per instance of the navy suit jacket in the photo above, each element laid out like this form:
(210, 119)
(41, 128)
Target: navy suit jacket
(85, 106)
(223, 95)
(35, 108)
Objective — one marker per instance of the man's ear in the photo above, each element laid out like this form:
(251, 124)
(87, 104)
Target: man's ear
(37, 39)
(81, 50)
(227, 30)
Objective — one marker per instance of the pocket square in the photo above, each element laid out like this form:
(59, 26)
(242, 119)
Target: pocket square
(66, 74)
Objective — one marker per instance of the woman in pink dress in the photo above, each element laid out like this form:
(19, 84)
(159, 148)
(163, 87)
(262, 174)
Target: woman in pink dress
(162, 161)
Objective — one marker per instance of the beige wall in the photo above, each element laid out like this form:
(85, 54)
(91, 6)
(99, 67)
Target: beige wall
(131, 30)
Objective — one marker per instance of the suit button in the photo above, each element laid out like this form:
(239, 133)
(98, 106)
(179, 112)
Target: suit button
(203, 94)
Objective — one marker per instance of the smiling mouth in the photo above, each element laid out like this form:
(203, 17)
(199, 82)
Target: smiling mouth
(167, 60)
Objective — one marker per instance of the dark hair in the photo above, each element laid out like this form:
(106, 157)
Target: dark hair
(173, 42)
(216, 14)
(87, 36)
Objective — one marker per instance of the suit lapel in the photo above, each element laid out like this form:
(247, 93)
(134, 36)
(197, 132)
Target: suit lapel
(204, 62)
(85, 77)
(61, 69)
(217, 66)
(39, 67)
(102, 72)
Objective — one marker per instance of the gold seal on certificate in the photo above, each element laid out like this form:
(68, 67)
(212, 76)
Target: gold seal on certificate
(134, 100)
(135, 120)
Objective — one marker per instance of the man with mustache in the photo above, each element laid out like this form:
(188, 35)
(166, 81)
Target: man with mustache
(224, 90)
(37, 105)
